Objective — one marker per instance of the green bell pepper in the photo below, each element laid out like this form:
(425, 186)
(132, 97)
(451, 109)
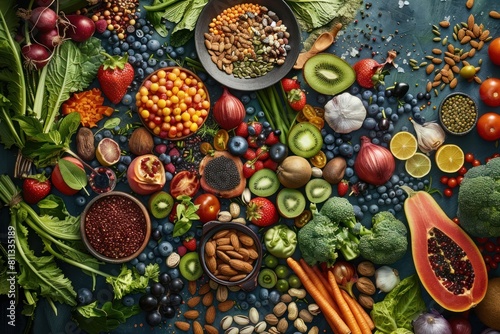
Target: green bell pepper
(280, 241)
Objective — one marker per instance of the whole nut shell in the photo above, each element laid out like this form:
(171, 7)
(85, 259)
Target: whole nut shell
(365, 286)
(141, 142)
(85, 144)
(282, 325)
(365, 301)
(234, 209)
(279, 309)
(366, 268)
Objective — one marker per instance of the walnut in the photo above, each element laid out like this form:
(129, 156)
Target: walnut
(365, 301)
(366, 268)
(365, 286)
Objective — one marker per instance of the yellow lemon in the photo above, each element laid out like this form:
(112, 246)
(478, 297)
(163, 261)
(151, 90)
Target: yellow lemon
(108, 152)
(419, 165)
(403, 145)
(449, 158)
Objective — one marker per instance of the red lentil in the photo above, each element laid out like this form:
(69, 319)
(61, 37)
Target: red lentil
(115, 226)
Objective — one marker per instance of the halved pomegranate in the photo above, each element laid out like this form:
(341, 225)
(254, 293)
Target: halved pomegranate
(146, 174)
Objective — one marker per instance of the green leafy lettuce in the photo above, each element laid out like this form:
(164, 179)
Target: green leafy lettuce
(130, 281)
(394, 314)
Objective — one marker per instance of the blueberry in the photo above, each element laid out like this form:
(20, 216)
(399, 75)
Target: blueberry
(180, 50)
(241, 295)
(245, 99)
(128, 301)
(160, 53)
(141, 268)
(169, 49)
(165, 248)
(250, 110)
(251, 298)
(274, 296)
(174, 273)
(153, 45)
(329, 139)
(263, 293)
(127, 99)
(80, 200)
(98, 137)
(84, 296)
(173, 54)
(107, 133)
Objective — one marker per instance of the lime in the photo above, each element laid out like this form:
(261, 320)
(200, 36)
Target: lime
(403, 145)
(449, 158)
(108, 152)
(419, 165)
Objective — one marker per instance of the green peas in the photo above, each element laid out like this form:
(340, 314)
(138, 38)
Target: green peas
(458, 113)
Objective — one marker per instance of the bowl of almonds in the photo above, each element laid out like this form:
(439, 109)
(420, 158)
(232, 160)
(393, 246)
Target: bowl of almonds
(231, 254)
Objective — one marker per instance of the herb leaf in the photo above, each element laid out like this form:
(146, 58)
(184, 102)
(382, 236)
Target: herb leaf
(93, 319)
(73, 176)
(91, 59)
(56, 219)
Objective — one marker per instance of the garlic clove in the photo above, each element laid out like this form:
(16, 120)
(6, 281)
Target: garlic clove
(386, 278)
(430, 135)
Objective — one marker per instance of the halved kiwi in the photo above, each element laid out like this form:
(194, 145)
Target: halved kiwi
(328, 74)
(290, 202)
(318, 190)
(267, 278)
(305, 140)
(190, 266)
(264, 182)
(160, 204)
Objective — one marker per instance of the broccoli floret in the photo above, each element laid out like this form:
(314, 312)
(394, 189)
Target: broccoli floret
(321, 239)
(386, 242)
(339, 210)
(479, 200)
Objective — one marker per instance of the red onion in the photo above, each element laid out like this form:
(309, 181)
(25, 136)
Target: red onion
(460, 325)
(43, 18)
(374, 164)
(228, 111)
(431, 323)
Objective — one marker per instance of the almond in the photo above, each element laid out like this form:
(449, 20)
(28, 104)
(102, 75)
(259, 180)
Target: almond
(208, 299)
(210, 248)
(182, 325)
(211, 263)
(223, 256)
(191, 314)
(193, 301)
(192, 287)
(197, 328)
(226, 306)
(211, 329)
(223, 241)
(220, 234)
(241, 265)
(210, 315)
(235, 255)
(246, 240)
(205, 288)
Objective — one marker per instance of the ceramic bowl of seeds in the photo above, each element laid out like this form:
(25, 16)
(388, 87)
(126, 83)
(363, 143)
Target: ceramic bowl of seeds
(115, 227)
(247, 44)
(458, 113)
(231, 254)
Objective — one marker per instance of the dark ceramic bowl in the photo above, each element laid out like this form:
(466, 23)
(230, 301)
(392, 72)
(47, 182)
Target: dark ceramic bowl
(209, 230)
(214, 8)
(472, 109)
(115, 219)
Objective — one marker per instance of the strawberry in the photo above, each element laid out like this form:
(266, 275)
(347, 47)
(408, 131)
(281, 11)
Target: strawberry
(255, 128)
(35, 188)
(241, 130)
(261, 212)
(190, 243)
(115, 75)
(272, 139)
(262, 153)
(296, 99)
(253, 141)
(290, 83)
(258, 165)
(248, 169)
(342, 188)
(270, 164)
(250, 154)
(182, 250)
(370, 73)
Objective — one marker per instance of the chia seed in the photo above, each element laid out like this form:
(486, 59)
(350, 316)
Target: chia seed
(115, 226)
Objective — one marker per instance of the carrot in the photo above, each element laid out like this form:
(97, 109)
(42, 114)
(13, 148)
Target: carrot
(363, 318)
(358, 313)
(347, 315)
(336, 323)
(323, 279)
(318, 277)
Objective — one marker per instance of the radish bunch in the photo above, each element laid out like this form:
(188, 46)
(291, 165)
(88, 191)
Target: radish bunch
(49, 29)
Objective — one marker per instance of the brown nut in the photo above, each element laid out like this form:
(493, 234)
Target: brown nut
(141, 142)
(85, 144)
(365, 301)
(365, 285)
(366, 268)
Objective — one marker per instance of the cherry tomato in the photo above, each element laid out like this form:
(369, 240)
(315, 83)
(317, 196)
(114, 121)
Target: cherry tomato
(317, 122)
(448, 192)
(489, 92)
(494, 51)
(476, 163)
(308, 111)
(301, 117)
(209, 207)
(459, 179)
(462, 170)
(303, 218)
(488, 126)
(184, 183)
(452, 182)
(220, 140)
(444, 179)
(319, 160)
(469, 157)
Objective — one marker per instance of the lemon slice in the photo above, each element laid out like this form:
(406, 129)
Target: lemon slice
(403, 145)
(108, 152)
(419, 165)
(449, 158)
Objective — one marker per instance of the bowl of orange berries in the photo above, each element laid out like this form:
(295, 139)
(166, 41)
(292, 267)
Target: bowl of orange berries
(173, 103)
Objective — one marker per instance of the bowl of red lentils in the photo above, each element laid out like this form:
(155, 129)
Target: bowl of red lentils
(247, 44)
(115, 227)
(173, 103)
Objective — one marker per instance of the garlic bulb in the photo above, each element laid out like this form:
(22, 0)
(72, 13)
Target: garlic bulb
(345, 113)
(430, 135)
(386, 278)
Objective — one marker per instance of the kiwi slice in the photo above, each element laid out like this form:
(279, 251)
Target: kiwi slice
(160, 204)
(318, 190)
(290, 202)
(264, 182)
(305, 140)
(267, 278)
(328, 74)
(190, 266)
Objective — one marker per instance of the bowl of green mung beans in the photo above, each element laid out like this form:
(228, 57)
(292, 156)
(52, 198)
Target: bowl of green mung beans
(458, 113)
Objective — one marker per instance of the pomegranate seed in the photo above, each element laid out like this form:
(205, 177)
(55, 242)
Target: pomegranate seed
(490, 247)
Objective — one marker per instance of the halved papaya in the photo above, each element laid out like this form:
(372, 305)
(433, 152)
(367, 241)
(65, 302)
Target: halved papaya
(448, 262)
(222, 174)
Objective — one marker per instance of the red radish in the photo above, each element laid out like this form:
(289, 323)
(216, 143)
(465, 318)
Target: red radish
(49, 39)
(35, 56)
(80, 27)
(43, 18)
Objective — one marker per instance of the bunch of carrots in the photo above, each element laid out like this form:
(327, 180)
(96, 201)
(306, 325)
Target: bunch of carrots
(342, 312)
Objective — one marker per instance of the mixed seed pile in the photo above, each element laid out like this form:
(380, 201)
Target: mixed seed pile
(247, 40)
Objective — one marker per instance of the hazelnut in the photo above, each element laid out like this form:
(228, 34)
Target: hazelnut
(366, 268)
